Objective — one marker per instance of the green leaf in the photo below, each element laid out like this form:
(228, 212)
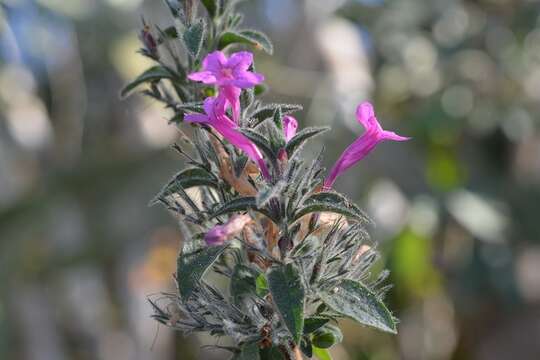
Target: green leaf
(250, 37)
(171, 32)
(327, 336)
(331, 202)
(194, 38)
(174, 7)
(243, 282)
(212, 6)
(192, 267)
(306, 347)
(186, 179)
(239, 204)
(314, 323)
(287, 292)
(275, 131)
(268, 111)
(261, 285)
(248, 352)
(260, 89)
(262, 143)
(272, 353)
(196, 106)
(354, 300)
(235, 20)
(322, 354)
(301, 137)
(155, 73)
(267, 193)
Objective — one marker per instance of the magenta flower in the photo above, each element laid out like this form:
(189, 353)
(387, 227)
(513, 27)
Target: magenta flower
(230, 75)
(289, 127)
(215, 117)
(362, 146)
(220, 234)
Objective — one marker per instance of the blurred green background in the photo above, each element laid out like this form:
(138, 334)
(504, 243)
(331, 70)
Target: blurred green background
(457, 208)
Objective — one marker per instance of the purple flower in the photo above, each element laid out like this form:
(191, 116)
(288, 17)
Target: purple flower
(289, 127)
(220, 234)
(214, 108)
(364, 144)
(231, 75)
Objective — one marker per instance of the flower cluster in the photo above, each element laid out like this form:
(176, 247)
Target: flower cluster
(295, 252)
(231, 75)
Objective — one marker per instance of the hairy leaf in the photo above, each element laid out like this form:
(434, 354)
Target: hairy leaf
(250, 37)
(261, 142)
(327, 336)
(268, 111)
(354, 300)
(194, 37)
(155, 73)
(212, 6)
(306, 347)
(301, 137)
(243, 282)
(314, 323)
(191, 267)
(272, 353)
(248, 352)
(239, 204)
(331, 202)
(266, 194)
(287, 292)
(170, 32)
(188, 178)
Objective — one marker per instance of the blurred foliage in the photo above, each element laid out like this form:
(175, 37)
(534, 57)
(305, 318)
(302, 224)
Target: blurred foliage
(456, 208)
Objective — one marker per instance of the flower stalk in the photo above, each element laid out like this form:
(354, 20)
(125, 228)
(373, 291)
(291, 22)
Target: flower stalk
(294, 252)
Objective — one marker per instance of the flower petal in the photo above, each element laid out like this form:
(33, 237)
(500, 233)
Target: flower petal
(206, 77)
(214, 61)
(246, 79)
(366, 116)
(196, 118)
(363, 145)
(241, 60)
(243, 143)
(390, 135)
(232, 94)
(289, 127)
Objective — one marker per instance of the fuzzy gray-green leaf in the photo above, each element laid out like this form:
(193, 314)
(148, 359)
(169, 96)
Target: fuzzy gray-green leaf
(301, 137)
(262, 143)
(250, 37)
(248, 352)
(192, 267)
(194, 37)
(186, 179)
(239, 204)
(331, 202)
(243, 282)
(354, 300)
(314, 323)
(212, 6)
(155, 73)
(287, 292)
(267, 111)
(327, 336)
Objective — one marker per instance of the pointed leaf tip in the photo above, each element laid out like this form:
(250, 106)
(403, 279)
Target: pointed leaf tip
(288, 294)
(354, 300)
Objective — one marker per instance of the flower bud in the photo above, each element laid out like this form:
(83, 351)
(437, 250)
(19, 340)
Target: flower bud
(220, 234)
(149, 42)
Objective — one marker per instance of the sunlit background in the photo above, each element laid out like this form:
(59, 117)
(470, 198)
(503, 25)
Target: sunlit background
(457, 209)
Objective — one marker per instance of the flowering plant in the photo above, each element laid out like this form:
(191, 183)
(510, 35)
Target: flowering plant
(294, 253)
